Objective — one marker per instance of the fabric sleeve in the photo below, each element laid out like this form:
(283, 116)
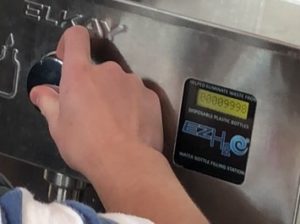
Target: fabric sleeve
(19, 207)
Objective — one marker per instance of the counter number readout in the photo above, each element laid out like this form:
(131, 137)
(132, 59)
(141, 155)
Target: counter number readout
(223, 104)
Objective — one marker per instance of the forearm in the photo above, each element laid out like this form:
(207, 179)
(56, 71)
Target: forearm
(144, 186)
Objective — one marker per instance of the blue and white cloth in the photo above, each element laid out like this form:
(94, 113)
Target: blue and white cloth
(19, 207)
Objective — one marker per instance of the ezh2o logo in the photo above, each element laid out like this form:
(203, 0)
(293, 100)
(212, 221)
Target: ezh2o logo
(238, 145)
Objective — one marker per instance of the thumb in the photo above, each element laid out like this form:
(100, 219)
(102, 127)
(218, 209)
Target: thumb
(46, 99)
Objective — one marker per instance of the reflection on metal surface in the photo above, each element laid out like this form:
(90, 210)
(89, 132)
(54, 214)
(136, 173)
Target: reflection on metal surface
(63, 187)
(6, 52)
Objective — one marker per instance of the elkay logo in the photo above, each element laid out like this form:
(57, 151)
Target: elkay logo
(237, 145)
(44, 13)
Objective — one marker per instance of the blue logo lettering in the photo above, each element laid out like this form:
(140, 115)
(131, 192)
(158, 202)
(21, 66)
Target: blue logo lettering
(238, 145)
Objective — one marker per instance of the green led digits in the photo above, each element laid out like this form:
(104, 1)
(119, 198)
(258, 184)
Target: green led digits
(223, 104)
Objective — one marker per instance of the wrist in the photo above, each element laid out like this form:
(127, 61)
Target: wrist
(142, 183)
(121, 160)
(127, 171)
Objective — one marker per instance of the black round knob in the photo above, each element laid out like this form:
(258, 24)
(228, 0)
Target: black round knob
(46, 71)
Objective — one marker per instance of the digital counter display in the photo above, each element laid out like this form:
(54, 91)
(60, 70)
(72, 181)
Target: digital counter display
(223, 104)
(214, 130)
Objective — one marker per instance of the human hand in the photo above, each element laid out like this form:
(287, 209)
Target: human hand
(99, 111)
(106, 124)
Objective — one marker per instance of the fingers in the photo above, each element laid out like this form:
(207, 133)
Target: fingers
(46, 99)
(74, 46)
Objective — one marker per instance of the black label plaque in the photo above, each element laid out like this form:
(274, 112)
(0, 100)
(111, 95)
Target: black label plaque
(214, 132)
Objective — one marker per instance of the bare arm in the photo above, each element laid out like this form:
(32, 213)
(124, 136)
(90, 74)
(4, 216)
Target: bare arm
(108, 126)
(146, 187)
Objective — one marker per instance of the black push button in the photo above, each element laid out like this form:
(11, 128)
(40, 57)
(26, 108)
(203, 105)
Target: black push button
(46, 71)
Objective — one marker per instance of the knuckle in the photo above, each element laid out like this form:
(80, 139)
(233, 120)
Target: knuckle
(136, 82)
(153, 96)
(112, 67)
(134, 78)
